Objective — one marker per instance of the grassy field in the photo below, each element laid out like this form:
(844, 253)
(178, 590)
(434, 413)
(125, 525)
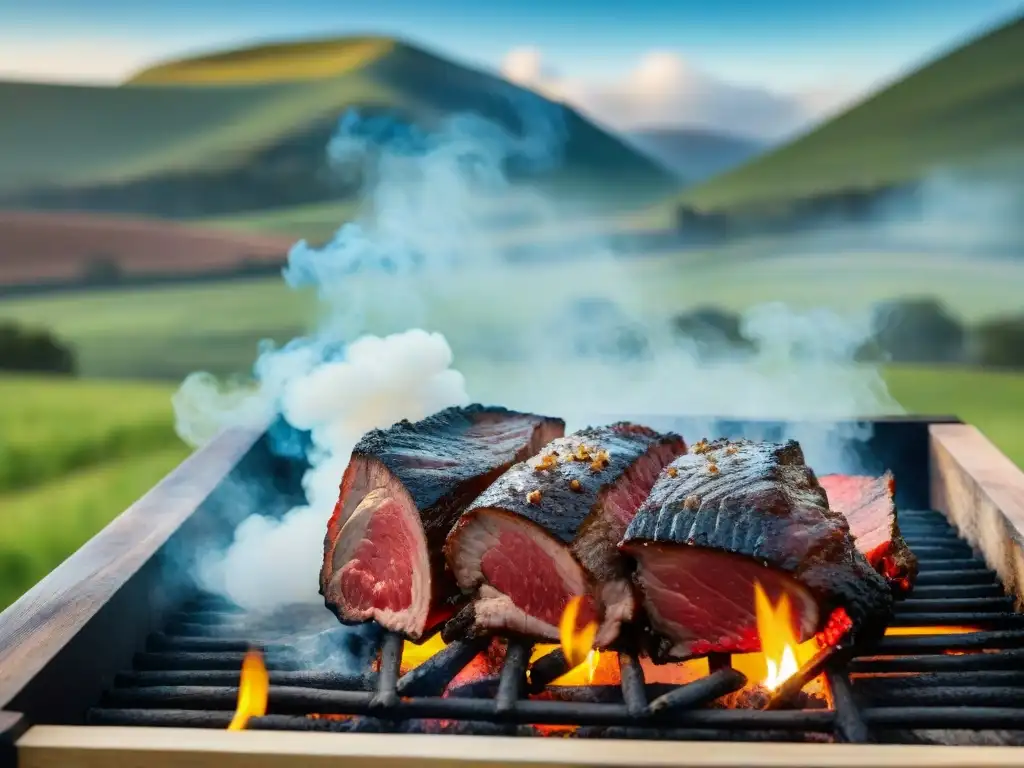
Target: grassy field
(965, 105)
(47, 518)
(169, 332)
(990, 400)
(73, 455)
(517, 216)
(50, 428)
(41, 527)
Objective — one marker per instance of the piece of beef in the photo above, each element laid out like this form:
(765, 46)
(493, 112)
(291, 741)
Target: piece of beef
(869, 507)
(730, 514)
(547, 531)
(404, 488)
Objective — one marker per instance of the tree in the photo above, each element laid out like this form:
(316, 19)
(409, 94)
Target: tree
(918, 330)
(1000, 343)
(33, 351)
(715, 332)
(102, 269)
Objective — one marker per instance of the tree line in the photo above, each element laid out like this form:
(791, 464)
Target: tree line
(919, 330)
(909, 330)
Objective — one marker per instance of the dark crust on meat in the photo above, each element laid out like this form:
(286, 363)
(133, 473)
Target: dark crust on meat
(565, 511)
(441, 497)
(775, 511)
(898, 564)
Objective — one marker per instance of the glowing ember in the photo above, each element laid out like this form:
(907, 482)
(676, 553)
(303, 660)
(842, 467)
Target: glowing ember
(253, 690)
(780, 646)
(897, 631)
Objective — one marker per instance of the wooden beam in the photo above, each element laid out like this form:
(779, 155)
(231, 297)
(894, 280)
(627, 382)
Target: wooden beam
(36, 628)
(98, 747)
(982, 493)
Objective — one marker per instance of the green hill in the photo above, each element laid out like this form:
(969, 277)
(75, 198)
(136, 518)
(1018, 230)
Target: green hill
(961, 109)
(247, 129)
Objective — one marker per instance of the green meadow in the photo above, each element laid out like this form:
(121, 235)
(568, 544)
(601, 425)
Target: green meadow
(166, 333)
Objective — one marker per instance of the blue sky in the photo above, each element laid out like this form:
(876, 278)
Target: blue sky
(789, 47)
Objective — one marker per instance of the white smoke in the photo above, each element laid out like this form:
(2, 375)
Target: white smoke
(426, 248)
(379, 382)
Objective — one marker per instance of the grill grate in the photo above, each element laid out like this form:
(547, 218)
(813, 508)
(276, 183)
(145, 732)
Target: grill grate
(910, 684)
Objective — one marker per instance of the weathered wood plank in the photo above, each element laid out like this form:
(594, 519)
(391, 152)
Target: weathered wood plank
(981, 492)
(96, 747)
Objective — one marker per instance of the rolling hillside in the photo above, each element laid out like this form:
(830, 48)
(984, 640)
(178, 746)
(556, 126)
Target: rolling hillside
(248, 129)
(695, 154)
(961, 109)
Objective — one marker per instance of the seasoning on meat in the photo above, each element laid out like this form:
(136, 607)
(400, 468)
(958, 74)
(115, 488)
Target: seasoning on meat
(524, 563)
(404, 488)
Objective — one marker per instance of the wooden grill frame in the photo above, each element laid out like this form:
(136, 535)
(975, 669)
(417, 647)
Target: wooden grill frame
(97, 590)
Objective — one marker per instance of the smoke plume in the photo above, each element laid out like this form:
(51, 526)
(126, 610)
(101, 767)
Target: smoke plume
(425, 253)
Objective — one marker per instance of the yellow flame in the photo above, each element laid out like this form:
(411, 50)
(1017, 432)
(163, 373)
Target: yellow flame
(593, 660)
(414, 654)
(779, 643)
(253, 690)
(577, 644)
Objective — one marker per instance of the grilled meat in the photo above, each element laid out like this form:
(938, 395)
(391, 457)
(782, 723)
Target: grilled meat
(404, 488)
(729, 515)
(868, 505)
(547, 531)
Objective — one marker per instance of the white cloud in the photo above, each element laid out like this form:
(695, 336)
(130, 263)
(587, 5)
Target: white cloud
(665, 89)
(88, 60)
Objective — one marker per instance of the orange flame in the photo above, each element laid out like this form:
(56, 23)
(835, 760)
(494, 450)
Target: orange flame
(578, 643)
(253, 691)
(783, 652)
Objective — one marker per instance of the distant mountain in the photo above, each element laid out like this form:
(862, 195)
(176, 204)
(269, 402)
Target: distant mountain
(248, 129)
(695, 154)
(963, 110)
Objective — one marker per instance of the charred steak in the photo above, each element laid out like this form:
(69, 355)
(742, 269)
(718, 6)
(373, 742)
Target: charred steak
(730, 514)
(547, 531)
(867, 504)
(404, 488)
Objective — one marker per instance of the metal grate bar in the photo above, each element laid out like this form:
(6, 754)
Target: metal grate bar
(432, 676)
(335, 681)
(513, 675)
(188, 676)
(386, 696)
(849, 725)
(633, 684)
